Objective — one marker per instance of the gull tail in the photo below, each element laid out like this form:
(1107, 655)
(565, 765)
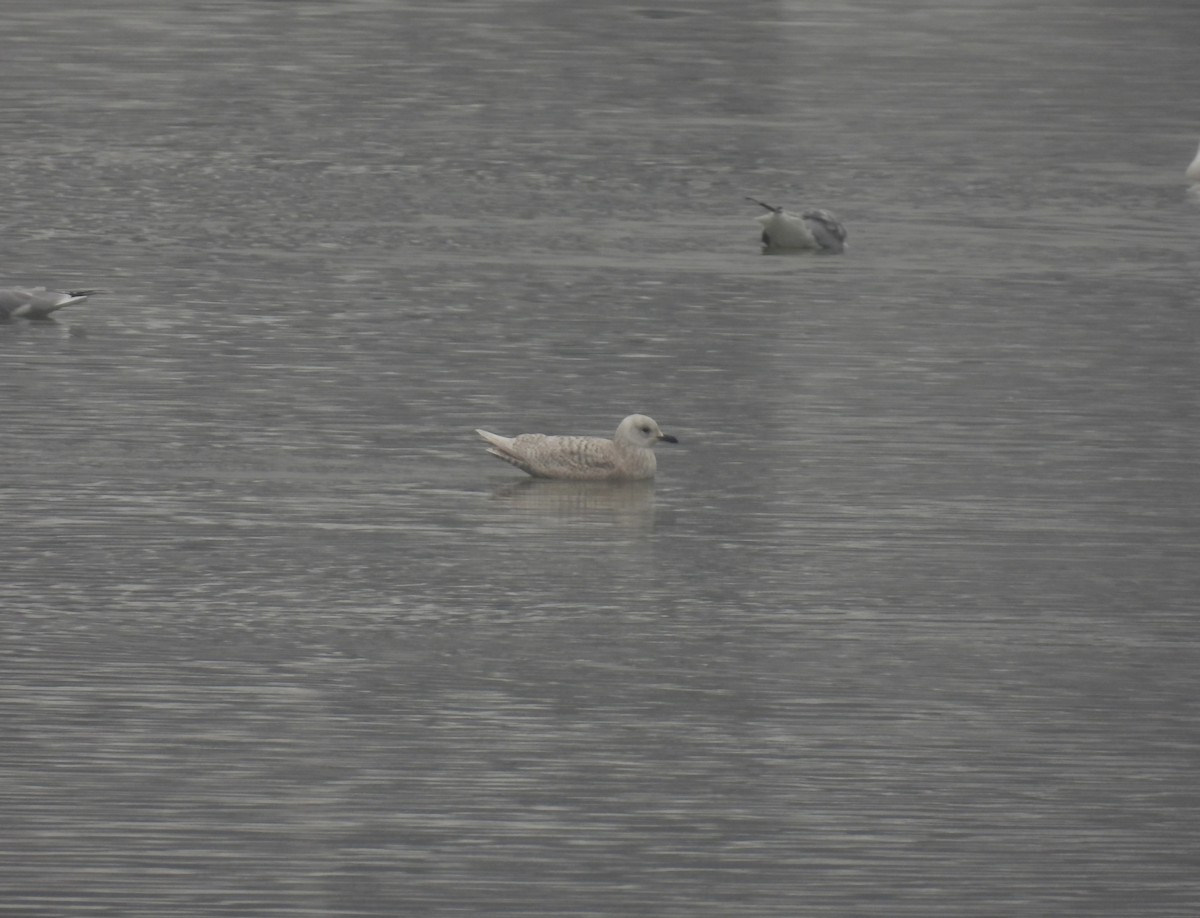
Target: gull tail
(774, 210)
(501, 448)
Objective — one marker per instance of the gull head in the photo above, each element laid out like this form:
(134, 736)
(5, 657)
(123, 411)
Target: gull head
(640, 431)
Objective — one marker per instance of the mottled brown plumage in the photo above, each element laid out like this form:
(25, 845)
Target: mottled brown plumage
(626, 457)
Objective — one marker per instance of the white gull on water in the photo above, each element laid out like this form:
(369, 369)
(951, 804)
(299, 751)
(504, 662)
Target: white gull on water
(1193, 171)
(626, 457)
(814, 230)
(38, 302)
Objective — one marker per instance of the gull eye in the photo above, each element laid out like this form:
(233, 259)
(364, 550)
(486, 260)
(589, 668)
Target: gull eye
(645, 429)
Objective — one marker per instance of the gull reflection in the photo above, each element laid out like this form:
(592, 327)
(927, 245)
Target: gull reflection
(625, 504)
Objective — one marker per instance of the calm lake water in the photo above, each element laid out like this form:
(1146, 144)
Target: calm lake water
(906, 626)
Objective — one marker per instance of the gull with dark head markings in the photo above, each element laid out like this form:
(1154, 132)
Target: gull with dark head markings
(814, 230)
(38, 302)
(627, 456)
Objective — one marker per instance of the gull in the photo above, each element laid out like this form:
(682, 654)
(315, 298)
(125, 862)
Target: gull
(626, 457)
(38, 302)
(1193, 171)
(815, 230)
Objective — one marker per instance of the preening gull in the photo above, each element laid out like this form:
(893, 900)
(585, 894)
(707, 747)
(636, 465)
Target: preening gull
(626, 457)
(38, 302)
(814, 230)
(1193, 171)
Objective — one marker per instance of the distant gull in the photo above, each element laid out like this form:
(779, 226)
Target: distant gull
(626, 457)
(38, 302)
(1193, 171)
(814, 230)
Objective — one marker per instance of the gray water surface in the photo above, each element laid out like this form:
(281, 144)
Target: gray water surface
(907, 624)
